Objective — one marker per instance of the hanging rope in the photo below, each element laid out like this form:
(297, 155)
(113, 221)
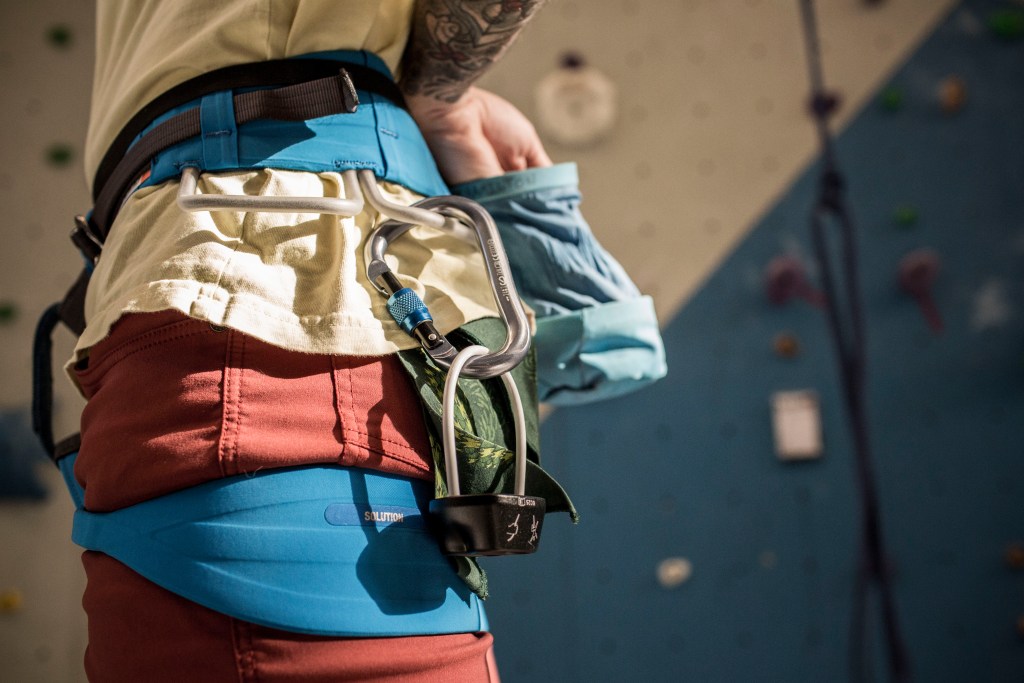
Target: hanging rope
(846, 324)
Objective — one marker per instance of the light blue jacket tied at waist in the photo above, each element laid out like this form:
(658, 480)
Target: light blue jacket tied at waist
(597, 336)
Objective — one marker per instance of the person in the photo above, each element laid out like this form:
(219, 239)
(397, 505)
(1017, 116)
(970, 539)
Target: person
(221, 344)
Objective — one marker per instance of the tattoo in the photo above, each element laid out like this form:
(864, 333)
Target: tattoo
(453, 42)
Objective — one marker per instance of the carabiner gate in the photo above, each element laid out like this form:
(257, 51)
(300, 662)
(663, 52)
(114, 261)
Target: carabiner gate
(411, 313)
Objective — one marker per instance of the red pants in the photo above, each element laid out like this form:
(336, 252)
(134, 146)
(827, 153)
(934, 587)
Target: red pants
(174, 402)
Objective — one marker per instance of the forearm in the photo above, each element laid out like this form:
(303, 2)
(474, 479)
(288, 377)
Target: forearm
(453, 42)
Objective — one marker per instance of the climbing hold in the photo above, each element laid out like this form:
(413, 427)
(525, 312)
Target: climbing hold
(786, 345)
(1014, 556)
(571, 60)
(674, 572)
(917, 273)
(796, 425)
(10, 600)
(891, 99)
(59, 154)
(59, 36)
(8, 312)
(825, 104)
(952, 94)
(1007, 24)
(786, 278)
(905, 215)
(576, 104)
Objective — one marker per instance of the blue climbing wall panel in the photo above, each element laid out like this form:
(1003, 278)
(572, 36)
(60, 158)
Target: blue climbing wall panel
(687, 468)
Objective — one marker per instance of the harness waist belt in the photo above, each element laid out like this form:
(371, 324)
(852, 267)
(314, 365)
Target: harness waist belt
(275, 72)
(299, 114)
(319, 549)
(313, 99)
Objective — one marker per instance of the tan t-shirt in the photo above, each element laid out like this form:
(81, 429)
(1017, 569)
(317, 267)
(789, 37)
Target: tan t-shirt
(146, 47)
(293, 280)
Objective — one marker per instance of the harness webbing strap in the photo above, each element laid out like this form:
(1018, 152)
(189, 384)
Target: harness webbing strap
(309, 100)
(277, 72)
(70, 311)
(72, 307)
(320, 549)
(42, 378)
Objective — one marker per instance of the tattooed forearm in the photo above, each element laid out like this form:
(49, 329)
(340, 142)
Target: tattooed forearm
(453, 42)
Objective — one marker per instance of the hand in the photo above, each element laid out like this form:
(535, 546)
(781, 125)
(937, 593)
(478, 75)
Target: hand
(478, 136)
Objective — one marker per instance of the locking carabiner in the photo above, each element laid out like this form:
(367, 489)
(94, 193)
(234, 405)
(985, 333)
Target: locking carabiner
(411, 313)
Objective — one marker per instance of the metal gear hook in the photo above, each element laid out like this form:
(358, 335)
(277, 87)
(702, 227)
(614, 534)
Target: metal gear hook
(411, 313)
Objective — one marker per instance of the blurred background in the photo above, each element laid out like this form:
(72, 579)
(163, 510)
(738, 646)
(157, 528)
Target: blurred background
(720, 524)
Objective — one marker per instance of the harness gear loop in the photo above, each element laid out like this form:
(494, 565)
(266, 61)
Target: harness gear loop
(191, 201)
(360, 189)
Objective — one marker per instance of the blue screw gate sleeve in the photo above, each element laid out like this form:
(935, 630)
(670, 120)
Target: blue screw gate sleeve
(408, 310)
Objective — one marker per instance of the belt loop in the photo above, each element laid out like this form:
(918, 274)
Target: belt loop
(219, 130)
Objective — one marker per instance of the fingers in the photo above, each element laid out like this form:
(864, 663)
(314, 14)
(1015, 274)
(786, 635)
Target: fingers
(479, 136)
(533, 156)
(517, 163)
(465, 162)
(537, 157)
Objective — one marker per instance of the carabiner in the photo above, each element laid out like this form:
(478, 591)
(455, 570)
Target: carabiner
(411, 313)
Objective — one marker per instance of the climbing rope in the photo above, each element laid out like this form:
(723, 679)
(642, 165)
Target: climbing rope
(845, 314)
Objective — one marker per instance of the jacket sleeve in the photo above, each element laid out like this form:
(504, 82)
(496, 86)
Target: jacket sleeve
(597, 335)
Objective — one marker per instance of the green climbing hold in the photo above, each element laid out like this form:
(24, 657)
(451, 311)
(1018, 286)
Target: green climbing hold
(59, 154)
(59, 36)
(8, 312)
(891, 99)
(1007, 24)
(905, 216)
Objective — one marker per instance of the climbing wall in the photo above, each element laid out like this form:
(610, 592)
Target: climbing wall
(46, 50)
(702, 555)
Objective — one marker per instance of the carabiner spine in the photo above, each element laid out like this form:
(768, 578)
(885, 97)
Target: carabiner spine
(459, 211)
